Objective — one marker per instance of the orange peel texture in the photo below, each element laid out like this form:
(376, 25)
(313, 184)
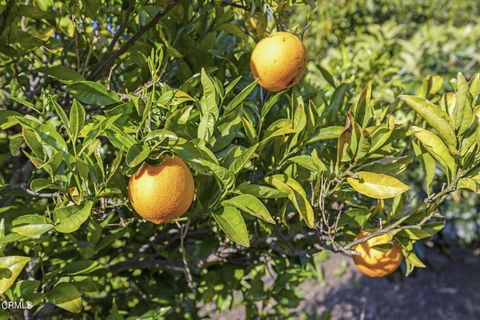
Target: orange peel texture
(161, 193)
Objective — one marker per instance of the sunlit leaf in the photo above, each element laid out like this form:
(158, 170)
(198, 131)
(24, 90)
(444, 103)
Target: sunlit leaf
(12, 267)
(376, 185)
(251, 205)
(296, 194)
(66, 296)
(231, 222)
(69, 219)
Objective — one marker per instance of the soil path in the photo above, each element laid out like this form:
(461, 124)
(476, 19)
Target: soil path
(448, 289)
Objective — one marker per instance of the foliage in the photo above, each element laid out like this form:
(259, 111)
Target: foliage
(92, 89)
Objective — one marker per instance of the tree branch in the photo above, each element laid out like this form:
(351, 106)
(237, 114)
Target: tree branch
(397, 223)
(144, 264)
(108, 61)
(123, 27)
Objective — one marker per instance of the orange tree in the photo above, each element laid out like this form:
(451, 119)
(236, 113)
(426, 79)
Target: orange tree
(95, 93)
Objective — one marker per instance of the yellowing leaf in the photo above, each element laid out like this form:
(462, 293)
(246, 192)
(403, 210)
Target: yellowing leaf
(437, 148)
(69, 219)
(467, 183)
(376, 185)
(435, 117)
(66, 296)
(11, 268)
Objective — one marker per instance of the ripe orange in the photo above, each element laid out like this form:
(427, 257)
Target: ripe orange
(278, 61)
(376, 262)
(163, 192)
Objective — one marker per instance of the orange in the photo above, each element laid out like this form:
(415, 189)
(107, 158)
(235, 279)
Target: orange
(278, 61)
(375, 262)
(163, 192)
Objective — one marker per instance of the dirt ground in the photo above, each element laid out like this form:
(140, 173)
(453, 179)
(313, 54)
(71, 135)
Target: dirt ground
(448, 289)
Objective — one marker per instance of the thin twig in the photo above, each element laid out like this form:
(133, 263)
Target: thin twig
(397, 224)
(188, 273)
(123, 27)
(41, 195)
(107, 61)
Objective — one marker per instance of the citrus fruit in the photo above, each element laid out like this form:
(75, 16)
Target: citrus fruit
(375, 261)
(163, 192)
(278, 61)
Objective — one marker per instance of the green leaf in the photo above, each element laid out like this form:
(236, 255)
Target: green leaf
(413, 233)
(12, 266)
(309, 163)
(435, 117)
(47, 133)
(260, 191)
(31, 225)
(137, 154)
(160, 134)
(359, 142)
(61, 113)
(66, 296)
(33, 11)
(296, 194)
(355, 217)
(240, 98)
(66, 25)
(232, 85)
(69, 219)
(436, 147)
(337, 101)
(8, 119)
(77, 119)
(11, 237)
(231, 222)
(269, 104)
(92, 93)
(461, 111)
(388, 165)
(474, 87)
(376, 185)
(327, 133)
(426, 231)
(42, 183)
(223, 175)
(81, 267)
(25, 103)
(381, 135)
(327, 75)
(299, 116)
(251, 205)
(118, 138)
(228, 131)
(362, 110)
(428, 164)
(61, 73)
(209, 101)
(237, 165)
(206, 127)
(413, 259)
(468, 184)
(33, 142)
(344, 141)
